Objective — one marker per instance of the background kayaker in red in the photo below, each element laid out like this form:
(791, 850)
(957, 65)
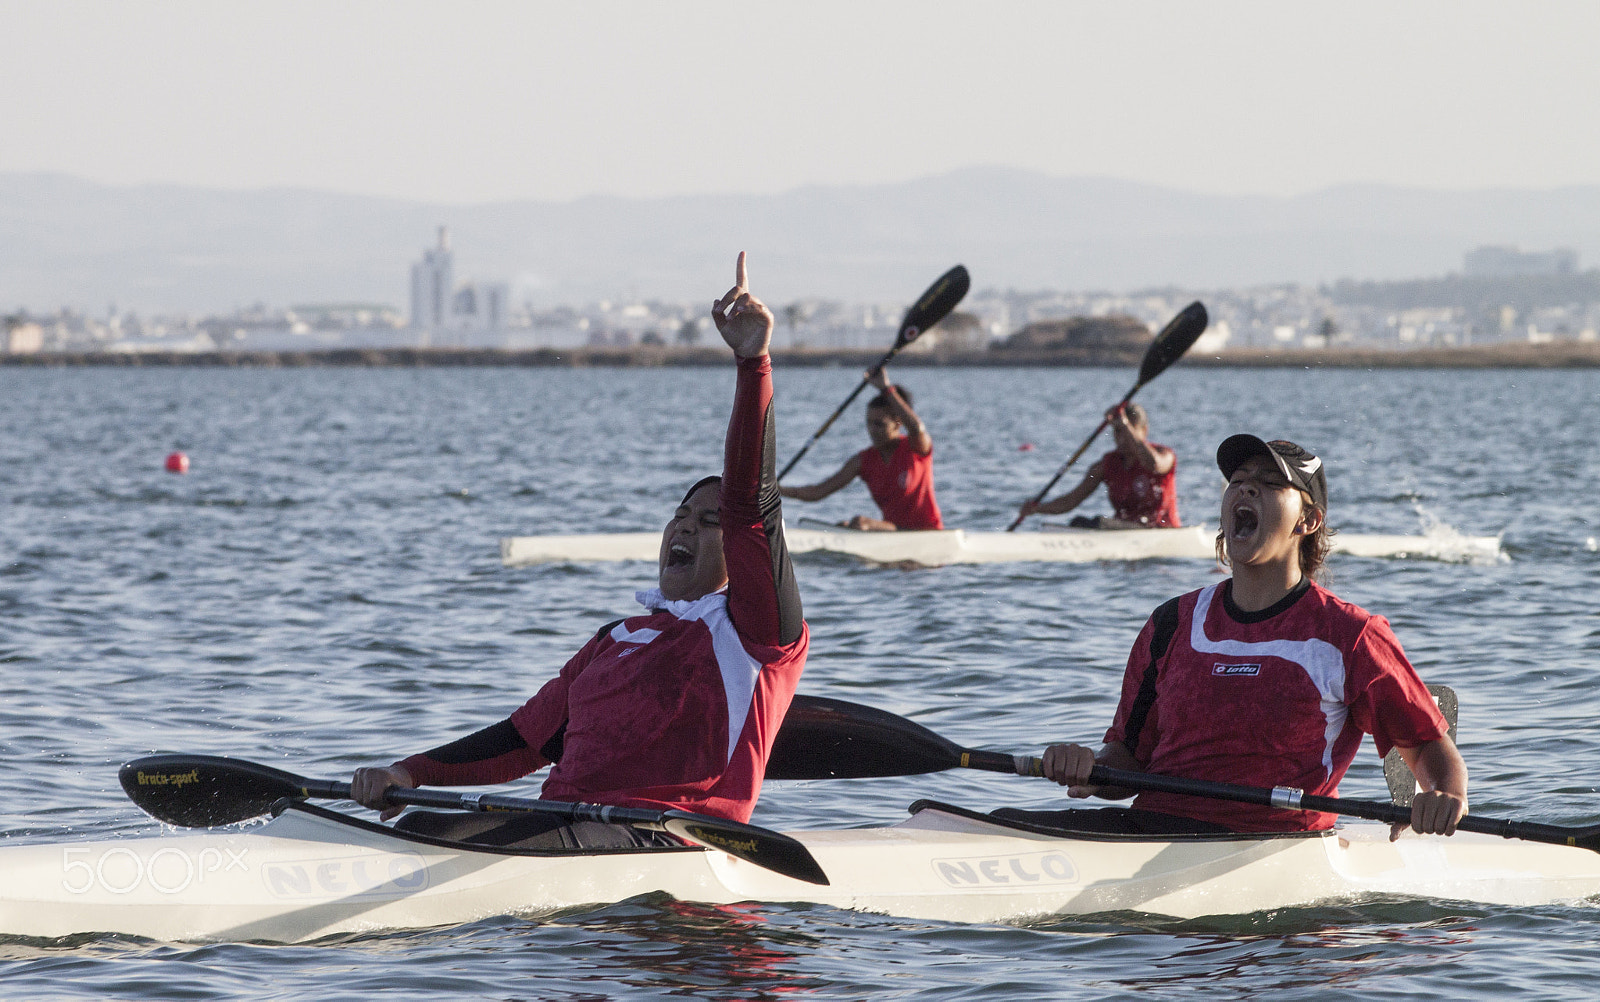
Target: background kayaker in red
(676, 707)
(897, 467)
(1266, 679)
(1140, 478)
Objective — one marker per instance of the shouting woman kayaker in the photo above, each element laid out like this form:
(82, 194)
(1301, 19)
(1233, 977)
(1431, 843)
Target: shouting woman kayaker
(1265, 679)
(676, 707)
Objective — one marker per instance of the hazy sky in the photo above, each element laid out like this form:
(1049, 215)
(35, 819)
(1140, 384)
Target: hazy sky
(480, 101)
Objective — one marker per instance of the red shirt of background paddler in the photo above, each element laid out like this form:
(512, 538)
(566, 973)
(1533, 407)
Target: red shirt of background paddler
(1137, 494)
(897, 468)
(902, 485)
(1141, 478)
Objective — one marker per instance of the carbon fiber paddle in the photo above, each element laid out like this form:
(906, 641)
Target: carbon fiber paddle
(1180, 334)
(201, 791)
(931, 307)
(835, 739)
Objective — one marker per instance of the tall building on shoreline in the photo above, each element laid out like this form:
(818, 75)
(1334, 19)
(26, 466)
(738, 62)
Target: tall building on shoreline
(445, 313)
(433, 283)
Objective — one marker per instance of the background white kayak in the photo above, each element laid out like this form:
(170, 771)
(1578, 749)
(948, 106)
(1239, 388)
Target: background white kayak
(960, 546)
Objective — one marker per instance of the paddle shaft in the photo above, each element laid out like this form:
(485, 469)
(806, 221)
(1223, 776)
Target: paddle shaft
(633, 817)
(1280, 797)
(841, 409)
(931, 307)
(1177, 337)
(830, 738)
(323, 789)
(1039, 498)
(1283, 798)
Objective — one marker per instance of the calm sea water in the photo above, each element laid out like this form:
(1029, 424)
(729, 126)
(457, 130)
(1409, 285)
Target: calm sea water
(323, 590)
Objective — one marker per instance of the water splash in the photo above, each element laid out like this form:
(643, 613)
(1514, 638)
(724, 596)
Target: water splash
(1443, 541)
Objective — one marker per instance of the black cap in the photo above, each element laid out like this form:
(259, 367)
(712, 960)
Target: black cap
(1299, 467)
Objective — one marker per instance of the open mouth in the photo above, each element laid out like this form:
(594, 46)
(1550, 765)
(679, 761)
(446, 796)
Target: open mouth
(679, 556)
(1245, 522)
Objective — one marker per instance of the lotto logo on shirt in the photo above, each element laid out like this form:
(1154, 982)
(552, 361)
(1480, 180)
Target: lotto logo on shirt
(1222, 669)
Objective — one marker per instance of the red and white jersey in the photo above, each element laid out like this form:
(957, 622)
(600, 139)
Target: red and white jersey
(669, 709)
(902, 485)
(1137, 495)
(1279, 697)
(678, 707)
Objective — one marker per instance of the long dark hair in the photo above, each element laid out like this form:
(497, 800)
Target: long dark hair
(1313, 548)
(699, 484)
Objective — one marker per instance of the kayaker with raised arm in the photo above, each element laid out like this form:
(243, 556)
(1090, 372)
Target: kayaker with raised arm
(897, 467)
(1266, 679)
(1140, 477)
(676, 707)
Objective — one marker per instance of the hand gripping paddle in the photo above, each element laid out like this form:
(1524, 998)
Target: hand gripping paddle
(1177, 337)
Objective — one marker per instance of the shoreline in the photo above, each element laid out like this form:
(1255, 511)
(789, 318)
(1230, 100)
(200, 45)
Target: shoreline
(1518, 355)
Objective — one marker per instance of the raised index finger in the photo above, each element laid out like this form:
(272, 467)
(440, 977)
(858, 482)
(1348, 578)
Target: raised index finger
(742, 280)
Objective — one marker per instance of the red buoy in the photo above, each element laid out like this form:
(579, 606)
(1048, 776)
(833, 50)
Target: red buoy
(177, 462)
(1025, 447)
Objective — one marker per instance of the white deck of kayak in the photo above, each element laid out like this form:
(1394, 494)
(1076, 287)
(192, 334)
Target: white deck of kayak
(960, 546)
(309, 874)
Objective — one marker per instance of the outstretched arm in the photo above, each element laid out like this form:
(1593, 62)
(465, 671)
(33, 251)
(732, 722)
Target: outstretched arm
(1070, 500)
(496, 754)
(525, 742)
(763, 598)
(816, 492)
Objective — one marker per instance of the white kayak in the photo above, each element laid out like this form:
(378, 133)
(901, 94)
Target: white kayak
(312, 872)
(960, 546)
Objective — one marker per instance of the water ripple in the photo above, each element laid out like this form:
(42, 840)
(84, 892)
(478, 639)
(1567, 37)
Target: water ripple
(323, 590)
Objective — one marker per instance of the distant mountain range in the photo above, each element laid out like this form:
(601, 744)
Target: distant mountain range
(65, 241)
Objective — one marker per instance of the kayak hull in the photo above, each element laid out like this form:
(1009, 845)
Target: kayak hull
(312, 873)
(960, 546)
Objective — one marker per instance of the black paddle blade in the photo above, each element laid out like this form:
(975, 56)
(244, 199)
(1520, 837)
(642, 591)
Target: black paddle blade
(825, 738)
(770, 850)
(934, 305)
(1177, 337)
(202, 791)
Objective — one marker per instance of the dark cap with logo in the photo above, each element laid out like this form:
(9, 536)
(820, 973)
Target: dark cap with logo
(1299, 467)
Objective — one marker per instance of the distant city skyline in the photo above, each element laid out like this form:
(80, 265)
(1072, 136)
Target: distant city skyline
(1501, 295)
(470, 104)
(175, 249)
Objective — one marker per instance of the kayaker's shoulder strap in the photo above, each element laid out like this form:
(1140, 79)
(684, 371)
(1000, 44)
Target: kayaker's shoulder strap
(1163, 627)
(600, 633)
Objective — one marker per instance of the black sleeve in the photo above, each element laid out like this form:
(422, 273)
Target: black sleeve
(1164, 622)
(491, 742)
